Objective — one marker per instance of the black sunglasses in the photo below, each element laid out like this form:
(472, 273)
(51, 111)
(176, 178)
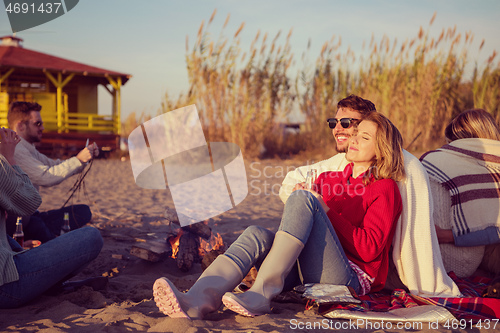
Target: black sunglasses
(37, 123)
(344, 122)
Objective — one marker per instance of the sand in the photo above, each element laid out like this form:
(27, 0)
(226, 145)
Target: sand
(125, 214)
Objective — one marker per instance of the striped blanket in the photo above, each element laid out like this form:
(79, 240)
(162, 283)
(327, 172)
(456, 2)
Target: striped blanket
(470, 170)
(472, 307)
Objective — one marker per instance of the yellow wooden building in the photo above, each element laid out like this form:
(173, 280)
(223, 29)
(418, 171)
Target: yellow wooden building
(67, 90)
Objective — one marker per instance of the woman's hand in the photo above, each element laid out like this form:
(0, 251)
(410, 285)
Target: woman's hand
(30, 244)
(8, 142)
(320, 199)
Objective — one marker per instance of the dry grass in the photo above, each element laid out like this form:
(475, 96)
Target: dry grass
(132, 122)
(241, 96)
(420, 85)
(244, 97)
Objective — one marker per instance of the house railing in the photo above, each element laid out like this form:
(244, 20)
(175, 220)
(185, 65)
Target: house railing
(89, 122)
(3, 118)
(86, 122)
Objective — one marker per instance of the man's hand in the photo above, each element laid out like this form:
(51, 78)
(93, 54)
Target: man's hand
(87, 153)
(444, 235)
(302, 186)
(8, 142)
(94, 150)
(299, 186)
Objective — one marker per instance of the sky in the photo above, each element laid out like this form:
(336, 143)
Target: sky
(147, 38)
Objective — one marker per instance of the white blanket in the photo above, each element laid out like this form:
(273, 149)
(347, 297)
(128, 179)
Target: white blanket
(416, 251)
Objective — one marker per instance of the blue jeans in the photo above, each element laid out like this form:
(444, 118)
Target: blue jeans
(50, 263)
(321, 261)
(44, 226)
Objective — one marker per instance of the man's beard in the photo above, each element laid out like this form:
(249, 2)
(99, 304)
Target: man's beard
(342, 150)
(34, 138)
(345, 145)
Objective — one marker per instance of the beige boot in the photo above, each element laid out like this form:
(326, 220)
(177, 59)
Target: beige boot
(270, 278)
(204, 296)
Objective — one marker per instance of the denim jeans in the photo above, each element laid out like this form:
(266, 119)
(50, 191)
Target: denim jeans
(44, 226)
(50, 263)
(321, 261)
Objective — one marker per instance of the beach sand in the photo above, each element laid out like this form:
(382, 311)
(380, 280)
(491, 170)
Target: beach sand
(126, 215)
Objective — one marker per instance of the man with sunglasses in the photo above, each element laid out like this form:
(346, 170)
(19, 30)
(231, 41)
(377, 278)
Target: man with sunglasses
(25, 119)
(350, 111)
(416, 252)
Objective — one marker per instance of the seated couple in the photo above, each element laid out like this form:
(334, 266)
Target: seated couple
(26, 120)
(27, 274)
(23, 169)
(331, 236)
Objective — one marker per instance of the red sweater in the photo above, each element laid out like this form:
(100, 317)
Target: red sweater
(364, 218)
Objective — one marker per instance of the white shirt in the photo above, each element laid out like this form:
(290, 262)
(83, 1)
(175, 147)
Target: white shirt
(41, 170)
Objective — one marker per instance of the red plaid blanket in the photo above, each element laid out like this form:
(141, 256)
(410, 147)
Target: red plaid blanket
(471, 307)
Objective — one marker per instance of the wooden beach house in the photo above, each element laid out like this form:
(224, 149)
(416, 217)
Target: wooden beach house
(67, 91)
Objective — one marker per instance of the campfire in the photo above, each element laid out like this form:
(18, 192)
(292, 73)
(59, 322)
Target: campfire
(187, 245)
(195, 243)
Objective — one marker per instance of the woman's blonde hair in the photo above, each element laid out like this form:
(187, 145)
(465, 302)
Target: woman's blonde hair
(474, 123)
(389, 161)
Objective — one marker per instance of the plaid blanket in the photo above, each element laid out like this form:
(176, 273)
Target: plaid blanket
(471, 307)
(470, 170)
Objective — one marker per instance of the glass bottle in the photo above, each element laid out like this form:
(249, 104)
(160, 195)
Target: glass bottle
(314, 176)
(311, 177)
(65, 227)
(19, 234)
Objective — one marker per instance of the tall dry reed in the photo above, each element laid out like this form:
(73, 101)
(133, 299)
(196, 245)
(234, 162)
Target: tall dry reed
(133, 121)
(241, 96)
(421, 84)
(486, 87)
(319, 89)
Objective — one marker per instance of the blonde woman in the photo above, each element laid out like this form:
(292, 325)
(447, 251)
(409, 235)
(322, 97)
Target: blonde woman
(464, 184)
(339, 234)
(473, 124)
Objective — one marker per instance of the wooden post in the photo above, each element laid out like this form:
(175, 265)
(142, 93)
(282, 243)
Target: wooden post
(59, 84)
(116, 93)
(5, 76)
(4, 100)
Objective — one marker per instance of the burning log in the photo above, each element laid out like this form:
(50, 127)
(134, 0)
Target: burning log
(186, 245)
(193, 243)
(199, 229)
(187, 252)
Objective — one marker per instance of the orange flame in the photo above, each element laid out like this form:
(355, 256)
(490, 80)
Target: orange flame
(214, 243)
(174, 243)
